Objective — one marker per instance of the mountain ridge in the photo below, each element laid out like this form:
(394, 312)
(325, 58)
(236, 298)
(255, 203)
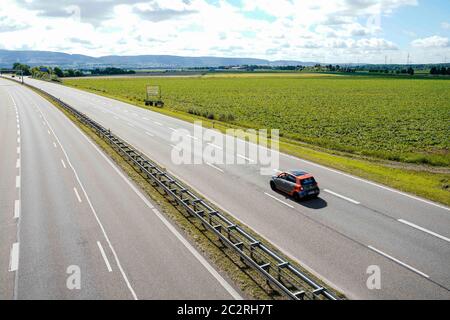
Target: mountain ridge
(66, 60)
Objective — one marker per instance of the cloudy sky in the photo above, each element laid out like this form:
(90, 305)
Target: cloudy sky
(338, 31)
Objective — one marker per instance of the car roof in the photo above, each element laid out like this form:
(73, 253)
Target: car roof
(298, 173)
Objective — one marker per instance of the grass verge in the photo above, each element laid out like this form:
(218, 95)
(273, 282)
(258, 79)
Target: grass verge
(226, 260)
(423, 181)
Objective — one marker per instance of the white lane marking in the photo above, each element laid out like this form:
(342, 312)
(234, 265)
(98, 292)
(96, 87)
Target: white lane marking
(77, 194)
(192, 137)
(130, 124)
(341, 196)
(196, 254)
(17, 181)
(63, 163)
(16, 209)
(48, 131)
(172, 129)
(54, 144)
(144, 118)
(245, 158)
(116, 258)
(215, 146)
(369, 182)
(275, 198)
(18, 140)
(18, 163)
(213, 166)
(18, 150)
(105, 258)
(176, 147)
(14, 257)
(149, 134)
(199, 257)
(158, 123)
(424, 230)
(399, 262)
(116, 117)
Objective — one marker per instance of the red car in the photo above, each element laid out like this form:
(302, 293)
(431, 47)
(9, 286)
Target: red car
(298, 184)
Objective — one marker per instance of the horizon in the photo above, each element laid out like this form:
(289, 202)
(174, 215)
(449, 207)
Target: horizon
(340, 32)
(222, 57)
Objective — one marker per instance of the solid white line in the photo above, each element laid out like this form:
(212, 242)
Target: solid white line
(16, 209)
(14, 257)
(341, 196)
(424, 230)
(399, 262)
(17, 181)
(76, 193)
(370, 182)
(275, 198)
(149, 134)
(116, 258)
(63, 163)
(104, 256)
(199, 257)
(213, 166)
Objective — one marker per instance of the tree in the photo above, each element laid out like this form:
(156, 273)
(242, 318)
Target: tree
(22, 68)
(410, 71)
(59, 73)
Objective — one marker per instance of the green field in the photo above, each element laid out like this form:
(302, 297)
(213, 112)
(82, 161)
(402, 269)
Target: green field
(404, 120)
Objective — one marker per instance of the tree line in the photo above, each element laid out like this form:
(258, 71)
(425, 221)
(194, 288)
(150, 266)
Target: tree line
(53, 73)
(443, 71)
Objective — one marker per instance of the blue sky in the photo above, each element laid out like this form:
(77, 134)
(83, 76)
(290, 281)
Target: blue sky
(329, 31)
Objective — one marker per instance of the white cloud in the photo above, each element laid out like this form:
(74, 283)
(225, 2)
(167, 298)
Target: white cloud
(339, 30)
(445, 25)
(431, 42)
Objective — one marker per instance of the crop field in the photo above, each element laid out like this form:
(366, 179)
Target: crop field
(390, 118)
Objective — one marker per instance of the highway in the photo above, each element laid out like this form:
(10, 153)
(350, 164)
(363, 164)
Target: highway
(354, 224)
(73, 226)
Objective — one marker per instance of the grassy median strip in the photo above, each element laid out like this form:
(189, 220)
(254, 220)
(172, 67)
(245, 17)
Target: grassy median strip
(248, 280)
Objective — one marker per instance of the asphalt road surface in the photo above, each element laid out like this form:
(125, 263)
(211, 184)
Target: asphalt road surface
(354, 227)
(72, 224)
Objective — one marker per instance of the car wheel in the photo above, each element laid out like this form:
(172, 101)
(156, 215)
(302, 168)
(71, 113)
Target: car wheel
(296, 197)
(273, 186)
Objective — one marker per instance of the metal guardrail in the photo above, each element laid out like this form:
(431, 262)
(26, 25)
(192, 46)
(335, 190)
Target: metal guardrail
(276, 270)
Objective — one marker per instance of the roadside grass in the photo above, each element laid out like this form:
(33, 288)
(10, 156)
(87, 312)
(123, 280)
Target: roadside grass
(249, 282)
(425, 181)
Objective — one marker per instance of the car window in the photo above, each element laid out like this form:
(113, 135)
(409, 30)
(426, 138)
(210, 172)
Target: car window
(308, 181)
(291, 179)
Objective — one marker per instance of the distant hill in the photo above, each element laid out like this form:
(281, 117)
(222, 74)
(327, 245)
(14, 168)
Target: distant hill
(34, 58)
